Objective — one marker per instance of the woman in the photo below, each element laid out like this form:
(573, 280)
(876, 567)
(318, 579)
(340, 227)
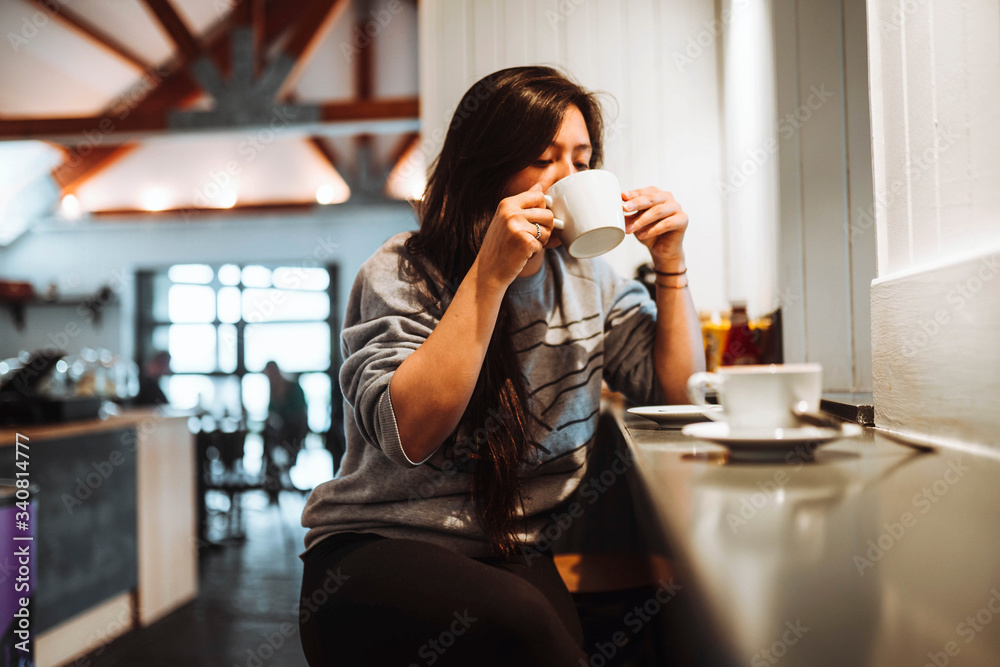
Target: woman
(474, 352)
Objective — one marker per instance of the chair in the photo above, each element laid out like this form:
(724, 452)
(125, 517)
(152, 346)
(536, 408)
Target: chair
(603, 572)
(220, 456)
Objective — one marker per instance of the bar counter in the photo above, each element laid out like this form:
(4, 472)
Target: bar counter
(114, 524)
(872, 554)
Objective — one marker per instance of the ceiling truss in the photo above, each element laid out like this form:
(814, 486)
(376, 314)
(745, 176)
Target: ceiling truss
(249, 63)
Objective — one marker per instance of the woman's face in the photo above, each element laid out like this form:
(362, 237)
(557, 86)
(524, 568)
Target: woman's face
(568, 153)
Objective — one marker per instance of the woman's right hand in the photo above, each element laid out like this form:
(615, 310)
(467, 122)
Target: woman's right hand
(440, 376)
(510, 240)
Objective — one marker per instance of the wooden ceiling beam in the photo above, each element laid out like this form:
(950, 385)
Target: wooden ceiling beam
(94, 34)
(173, 91)
(241, 14)
(325, 151)
(365, 178)
(175, 28)
(149, 114)
(280, 16)
(313, 22)
(95, 130)
(257, 29)
(406, 143)
(364, 63)
(187, 213)
(79, 166)
(321, 147)
(249, 15)
(401, 108)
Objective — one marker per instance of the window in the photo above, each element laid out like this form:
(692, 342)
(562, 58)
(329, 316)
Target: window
(221, 325)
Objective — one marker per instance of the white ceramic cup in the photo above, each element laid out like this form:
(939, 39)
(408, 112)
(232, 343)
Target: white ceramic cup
(760, 397)
(587, 207)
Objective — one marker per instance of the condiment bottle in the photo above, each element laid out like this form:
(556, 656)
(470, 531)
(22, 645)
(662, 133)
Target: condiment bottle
(740, 348)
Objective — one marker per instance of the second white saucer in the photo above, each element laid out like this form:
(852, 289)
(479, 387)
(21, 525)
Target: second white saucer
(769, 443)
(674, 414)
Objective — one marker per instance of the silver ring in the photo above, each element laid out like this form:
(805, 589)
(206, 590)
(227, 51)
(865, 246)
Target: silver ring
(538, 236)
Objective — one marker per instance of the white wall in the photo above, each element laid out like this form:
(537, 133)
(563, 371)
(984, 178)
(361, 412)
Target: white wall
(935, 75)
(657, 59)
(81, 258)
(827, 242)
(68, 327)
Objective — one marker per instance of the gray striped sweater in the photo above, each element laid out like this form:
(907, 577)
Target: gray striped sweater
(577, 322)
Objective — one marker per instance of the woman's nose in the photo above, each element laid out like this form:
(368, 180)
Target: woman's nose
(564, 168)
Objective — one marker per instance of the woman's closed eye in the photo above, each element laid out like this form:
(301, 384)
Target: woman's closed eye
(542, 163)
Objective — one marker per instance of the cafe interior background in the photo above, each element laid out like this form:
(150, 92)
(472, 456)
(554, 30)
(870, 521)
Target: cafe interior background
(206, 178)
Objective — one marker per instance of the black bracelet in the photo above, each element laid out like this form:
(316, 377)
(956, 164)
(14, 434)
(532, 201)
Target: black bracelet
(663, 273)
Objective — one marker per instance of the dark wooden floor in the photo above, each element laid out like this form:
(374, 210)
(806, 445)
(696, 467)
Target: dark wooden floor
(248, 591)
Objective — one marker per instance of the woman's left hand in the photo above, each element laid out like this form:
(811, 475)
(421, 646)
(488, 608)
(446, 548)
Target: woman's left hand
(659, 223)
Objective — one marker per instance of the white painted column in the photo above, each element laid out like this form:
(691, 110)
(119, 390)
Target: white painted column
(751, 143)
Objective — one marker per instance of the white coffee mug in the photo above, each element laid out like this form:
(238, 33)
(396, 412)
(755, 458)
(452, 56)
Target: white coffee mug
(587, 207)
(760, 397)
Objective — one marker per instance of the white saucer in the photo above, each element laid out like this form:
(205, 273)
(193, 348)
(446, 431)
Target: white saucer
(772, 443)
(674, 414)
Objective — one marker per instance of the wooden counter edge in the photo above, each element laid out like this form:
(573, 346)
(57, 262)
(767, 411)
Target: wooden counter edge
(129, 417)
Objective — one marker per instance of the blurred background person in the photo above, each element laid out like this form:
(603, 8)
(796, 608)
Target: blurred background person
(150, 392)
(285, 431)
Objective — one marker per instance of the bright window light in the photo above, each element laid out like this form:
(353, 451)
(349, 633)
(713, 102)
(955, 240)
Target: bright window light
(314, 466)
(256, 395)
(192, 348)
(316, 387)
(256, 276)
(269, 305)
(186, 392)
(227, 348)
(229, 274)
(199, 274)
(297, 347)
(253, 453)
(191, 303)
(229, 305)
(291, 277)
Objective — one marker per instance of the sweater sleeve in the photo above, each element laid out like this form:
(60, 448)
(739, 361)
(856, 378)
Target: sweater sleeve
(629, 337)
(385, 323)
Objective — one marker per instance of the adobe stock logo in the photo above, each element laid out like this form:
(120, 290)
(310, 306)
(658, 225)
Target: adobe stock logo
(893, 532)
(967, 630)
(433, 649)
(958, 296)
(777, 650)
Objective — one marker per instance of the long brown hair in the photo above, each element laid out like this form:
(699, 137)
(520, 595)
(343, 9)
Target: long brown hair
(502, 125)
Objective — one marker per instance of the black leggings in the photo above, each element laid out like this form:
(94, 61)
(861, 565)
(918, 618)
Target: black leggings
(370, 600)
